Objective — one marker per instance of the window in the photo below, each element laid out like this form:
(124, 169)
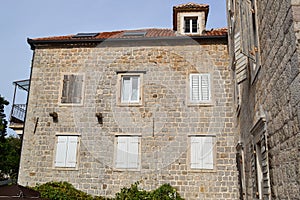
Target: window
(191, 24)
(66, 151)
(72, 89)
(202, 152)
(127, 152)
(200, 89)
(130, 88)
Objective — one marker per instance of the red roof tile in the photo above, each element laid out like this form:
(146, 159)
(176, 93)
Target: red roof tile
(149, 33)
(192, 5)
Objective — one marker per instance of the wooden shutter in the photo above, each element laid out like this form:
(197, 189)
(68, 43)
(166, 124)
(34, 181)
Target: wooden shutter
(200, 89)
(196, 153)
(133, 153)
(202, 153)
(121, 157)
(61, 151)
(241, 60)
(72, 89)
(71, 158)
(207, 153)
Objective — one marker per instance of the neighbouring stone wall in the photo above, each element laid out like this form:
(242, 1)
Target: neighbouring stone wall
(164, 120)
(276, 93)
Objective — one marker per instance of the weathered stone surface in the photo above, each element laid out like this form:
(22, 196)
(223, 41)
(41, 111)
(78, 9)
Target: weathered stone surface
(164, 120)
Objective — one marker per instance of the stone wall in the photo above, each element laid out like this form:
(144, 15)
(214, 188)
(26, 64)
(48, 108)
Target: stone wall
(275, 92)
(164, 121)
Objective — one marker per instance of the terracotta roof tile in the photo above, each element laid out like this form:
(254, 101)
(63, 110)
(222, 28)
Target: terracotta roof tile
(192, 5)
(149, 33)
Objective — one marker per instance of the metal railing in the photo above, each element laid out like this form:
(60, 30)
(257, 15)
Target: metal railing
(18, 112)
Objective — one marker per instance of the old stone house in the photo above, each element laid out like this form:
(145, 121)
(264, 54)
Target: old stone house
(153, 105)
(264, 55)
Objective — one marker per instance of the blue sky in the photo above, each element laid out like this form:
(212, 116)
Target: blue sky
(20, 20)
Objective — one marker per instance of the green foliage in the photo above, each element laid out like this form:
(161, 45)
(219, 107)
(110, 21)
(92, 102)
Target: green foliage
(132, 193)
(3, 122)
(65, 191)
(61, 191)
(164, 192)
(10, 157)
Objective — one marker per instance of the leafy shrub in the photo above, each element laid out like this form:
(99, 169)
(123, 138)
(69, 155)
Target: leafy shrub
(65, 191)
(61, 191)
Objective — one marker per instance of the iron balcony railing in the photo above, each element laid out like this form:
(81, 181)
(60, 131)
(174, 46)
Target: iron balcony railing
(18, 113)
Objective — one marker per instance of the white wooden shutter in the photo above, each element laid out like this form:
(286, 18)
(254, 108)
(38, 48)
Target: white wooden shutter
(133, 153)
(195, 152)
(121, 157)
(200, 89)
(61, 151)
(71, 158)
(207, 153)
(202, 153)
(241, 60)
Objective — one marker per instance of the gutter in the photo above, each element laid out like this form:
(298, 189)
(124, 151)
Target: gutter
(34, 43)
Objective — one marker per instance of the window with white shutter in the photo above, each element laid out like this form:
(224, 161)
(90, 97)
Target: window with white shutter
(200, 88)
(72, 89)
(202, 152)
(127, 152)
(66, 151)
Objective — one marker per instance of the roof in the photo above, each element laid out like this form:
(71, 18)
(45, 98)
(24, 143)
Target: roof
(18, 192)
(189, 7)
(129, 34)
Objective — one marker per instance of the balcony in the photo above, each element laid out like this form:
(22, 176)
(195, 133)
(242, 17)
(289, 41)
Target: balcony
(18, 111)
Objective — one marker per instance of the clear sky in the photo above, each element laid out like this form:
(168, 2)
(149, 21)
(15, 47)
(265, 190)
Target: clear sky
(22, 19)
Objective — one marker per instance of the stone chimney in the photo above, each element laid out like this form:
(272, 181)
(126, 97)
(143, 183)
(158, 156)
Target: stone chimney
(190, 18)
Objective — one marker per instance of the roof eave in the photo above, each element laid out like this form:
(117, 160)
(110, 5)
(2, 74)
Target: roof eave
(34, 43)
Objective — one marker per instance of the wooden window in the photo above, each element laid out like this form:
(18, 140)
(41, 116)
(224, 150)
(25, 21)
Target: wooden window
(127, 152)
(191, 24)
(130, 90)
(200, 88)
(72, 90)
(66, 151)
(202, 152)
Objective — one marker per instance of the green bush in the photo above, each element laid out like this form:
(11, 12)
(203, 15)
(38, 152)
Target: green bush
(61, 191)
(65, 191)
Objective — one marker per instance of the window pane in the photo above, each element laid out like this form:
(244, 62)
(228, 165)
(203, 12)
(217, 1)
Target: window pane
(194, 25)
(126, 89)
(135, 89)
(186, 25)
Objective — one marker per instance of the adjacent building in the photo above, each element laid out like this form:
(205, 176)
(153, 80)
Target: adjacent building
(153, 105)
(264, 55)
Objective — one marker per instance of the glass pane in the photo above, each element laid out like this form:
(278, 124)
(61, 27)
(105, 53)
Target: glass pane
(126, 88)
(194, 25)
(135, 88)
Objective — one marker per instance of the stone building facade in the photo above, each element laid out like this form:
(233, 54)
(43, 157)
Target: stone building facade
(155, 105)
(264, 52)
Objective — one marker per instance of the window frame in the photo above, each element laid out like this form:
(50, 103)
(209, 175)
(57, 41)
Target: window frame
(55, 158)
(190, 20)
(116, 151)
(120, 101)
(62, 88)
(190, 90)
(213, 152)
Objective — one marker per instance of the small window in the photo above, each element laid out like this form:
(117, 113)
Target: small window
(191, 24)
(200, 89)
(72, 90)
(127, 152)
(66, 151)
(202, 152)
(130, 89)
